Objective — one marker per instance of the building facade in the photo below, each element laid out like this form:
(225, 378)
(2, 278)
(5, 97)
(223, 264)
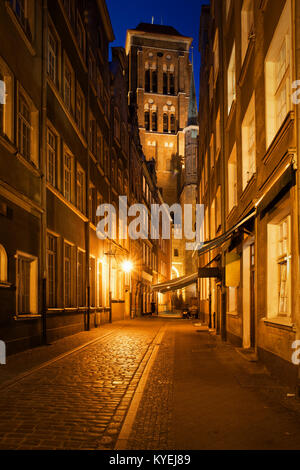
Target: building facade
(68, 144)
(248, 160)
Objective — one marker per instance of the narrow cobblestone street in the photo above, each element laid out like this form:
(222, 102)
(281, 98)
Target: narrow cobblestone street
(160, 383)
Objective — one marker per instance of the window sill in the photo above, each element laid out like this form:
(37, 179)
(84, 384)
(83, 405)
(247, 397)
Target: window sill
(281, 323)
(20, 29)
(282, 131)
(5, 285)
(29, 317)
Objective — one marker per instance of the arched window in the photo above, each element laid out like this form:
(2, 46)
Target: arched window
(165, 83)
(147, 120)
(3, 264)
(154, 81)
(173, 125)
(147, 81)
(172, 84)
(154, 121)
(166, 122)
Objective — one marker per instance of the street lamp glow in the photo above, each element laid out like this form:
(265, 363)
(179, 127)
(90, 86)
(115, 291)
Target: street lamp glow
(127, 266)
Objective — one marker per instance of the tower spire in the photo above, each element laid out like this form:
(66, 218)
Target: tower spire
(193, 108)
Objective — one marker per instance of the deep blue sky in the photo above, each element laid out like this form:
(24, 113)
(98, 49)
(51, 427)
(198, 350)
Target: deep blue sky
(183, 16)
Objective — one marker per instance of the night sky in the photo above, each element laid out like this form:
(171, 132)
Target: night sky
(182, 15)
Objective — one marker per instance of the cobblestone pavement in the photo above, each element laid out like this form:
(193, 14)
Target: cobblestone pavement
(79, 401)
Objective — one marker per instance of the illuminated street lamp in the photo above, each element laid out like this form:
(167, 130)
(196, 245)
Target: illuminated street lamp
(127, 268)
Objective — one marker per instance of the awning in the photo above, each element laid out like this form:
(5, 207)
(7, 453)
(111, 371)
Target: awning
(176, 284)
(210, 245)
(286, 181)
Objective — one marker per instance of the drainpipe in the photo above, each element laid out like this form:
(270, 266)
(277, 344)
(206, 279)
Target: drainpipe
(223, 319)
(43, 150)
(87, 224)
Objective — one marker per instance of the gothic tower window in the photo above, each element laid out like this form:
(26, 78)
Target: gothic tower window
(165, 83)
(147, 81)
(166, 122)
(173, 124)
(154, 121)
(147, 120)
(154, 81)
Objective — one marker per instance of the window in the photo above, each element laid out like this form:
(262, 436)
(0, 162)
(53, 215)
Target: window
(216, 56)
(176, 253)
(231, 85)
(3, 264)
(51, 157)
(232, 300)
(92, 203)
(212, 151)
(166, 122)
(68, 176)
(154, 81)
(117, 129)
(218, 134)
(68, 276)
(218, 209)
(27, 284)
(213, 219)
(249, 143)
(228, 4)
(92, 67)
(52, 271)
(100, 147)
(279, 268)
(70, 10)
(69, 83)
(173, 124)
(6, 100)
(154, 121)
(24, 127)
(24, 11)
(165, 83)
(80, 35)
(80, 189)
(52, 56)
(147, 81)
(147, 120)
(93, 135)
(278, 75)
(80, 279)
(232, 181)
(80, 110)
(247, 18)
(172, 84)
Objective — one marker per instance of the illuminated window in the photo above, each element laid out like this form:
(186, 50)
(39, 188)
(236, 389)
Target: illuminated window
(278, 75)
(27, 284)
(232, 180)
(247, 19)
(279, 268)
(249, 143)
(6, 100)
(3, 264)
(231, 85)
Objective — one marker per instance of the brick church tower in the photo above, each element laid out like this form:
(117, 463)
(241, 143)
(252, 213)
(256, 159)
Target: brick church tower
(159, 81)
